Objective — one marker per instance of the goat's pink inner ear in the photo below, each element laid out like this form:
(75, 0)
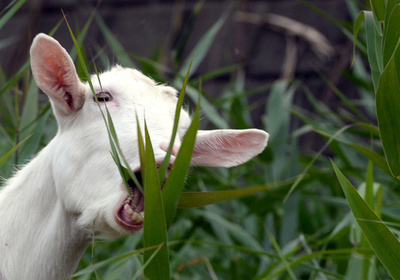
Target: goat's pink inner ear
(228, 147)
(55, 74)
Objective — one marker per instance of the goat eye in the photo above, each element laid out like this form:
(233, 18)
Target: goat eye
(103, 96)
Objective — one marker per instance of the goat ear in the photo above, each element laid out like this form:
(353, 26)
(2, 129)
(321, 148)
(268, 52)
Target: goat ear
(54, 72)
(228, 147)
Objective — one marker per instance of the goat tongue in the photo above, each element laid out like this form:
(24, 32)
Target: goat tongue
(137, 197)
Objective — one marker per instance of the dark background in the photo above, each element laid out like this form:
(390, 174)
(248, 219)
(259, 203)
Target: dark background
(156, 28)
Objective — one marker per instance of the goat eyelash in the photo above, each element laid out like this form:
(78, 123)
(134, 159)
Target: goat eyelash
(104, 96)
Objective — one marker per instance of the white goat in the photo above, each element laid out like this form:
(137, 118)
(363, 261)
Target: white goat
(72, 188)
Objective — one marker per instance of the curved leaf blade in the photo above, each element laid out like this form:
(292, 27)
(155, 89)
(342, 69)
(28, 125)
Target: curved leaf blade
(199, 199)
(154, 230)
(379, 9)
(176, 181)
(392, 34)
(385, 245)
(12, 150)
(388, 113)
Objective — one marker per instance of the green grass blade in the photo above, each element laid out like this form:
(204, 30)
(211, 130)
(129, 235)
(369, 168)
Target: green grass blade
(392, 34)
(14, 80)
(369, 185)
(299, 179)
(113, 139)
(114, 143)
(155, 230)
(356, 28)
(345, 100)
(233, 229)
(112, 260)
(176, 180)
(80, 57)
(117, 48)
(388, 112)
(116, 151)
(208, 109)
(204, 45)
(142, 151)
(30, 108)
(385, 245)
(374, 45)
(376, 158)
(11, 12)
(281, 255)
(126, 172)
(389, 8)
(12, 150)
(143, 267)
(40, 129)
(163, 168)
(199, 53)
(309, 257)
(200, 199)
(379, 7)
(82, 35)
(280, 101)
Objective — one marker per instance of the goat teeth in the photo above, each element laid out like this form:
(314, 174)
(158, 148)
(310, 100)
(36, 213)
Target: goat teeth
(133, 216)
(131, 213)
(129, 210)
(136, 217)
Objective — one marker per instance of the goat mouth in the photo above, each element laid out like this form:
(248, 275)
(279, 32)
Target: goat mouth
(130, 213)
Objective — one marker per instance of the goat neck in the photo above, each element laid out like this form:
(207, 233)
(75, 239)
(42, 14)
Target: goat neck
(38, 238)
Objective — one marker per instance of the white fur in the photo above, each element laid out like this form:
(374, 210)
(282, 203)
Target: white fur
(50, 209)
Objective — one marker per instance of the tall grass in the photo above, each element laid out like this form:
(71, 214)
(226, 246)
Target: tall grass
(307, 221)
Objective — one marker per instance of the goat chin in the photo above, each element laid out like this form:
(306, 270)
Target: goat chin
(71, 190)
